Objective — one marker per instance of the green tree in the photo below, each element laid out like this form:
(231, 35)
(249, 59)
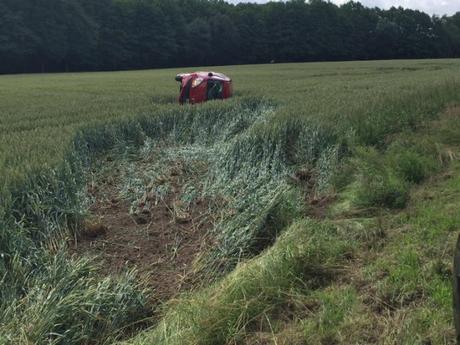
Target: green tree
(198, 47)
(62, 35)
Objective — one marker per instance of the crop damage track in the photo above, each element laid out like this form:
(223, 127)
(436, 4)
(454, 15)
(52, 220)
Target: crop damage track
(161, 207)
(178, 199)
(160, 241)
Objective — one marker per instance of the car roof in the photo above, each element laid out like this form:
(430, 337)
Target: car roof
(207, 75)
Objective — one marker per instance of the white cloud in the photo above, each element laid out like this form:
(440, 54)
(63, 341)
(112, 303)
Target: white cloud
(439, 7)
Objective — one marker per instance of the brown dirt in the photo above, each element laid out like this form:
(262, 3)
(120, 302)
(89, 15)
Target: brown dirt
(160, 242)
(316, 205)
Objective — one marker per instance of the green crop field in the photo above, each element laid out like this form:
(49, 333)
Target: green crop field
(326, 196)
(40, 113)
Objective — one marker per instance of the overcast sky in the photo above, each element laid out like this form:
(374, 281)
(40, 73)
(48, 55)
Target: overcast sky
(439, 7)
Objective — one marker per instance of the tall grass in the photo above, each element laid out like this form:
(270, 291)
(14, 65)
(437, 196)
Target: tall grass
(65, 301)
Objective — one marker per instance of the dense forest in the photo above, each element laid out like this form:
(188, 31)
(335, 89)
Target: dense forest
(75, 35)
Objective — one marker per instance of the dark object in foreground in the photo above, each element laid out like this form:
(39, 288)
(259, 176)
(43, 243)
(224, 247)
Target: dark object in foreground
(93, 230)
(200, 87)
(456, 286)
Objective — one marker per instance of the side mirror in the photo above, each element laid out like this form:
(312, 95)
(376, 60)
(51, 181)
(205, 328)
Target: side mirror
(178, 78)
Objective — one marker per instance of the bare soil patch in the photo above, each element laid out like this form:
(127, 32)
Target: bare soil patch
(162, 242)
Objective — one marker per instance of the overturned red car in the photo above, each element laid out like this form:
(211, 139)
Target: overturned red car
(200, 87)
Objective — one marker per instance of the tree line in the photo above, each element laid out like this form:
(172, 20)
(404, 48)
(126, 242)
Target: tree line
(77, 35)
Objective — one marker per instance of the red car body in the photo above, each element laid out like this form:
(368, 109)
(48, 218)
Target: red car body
(200, 87)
